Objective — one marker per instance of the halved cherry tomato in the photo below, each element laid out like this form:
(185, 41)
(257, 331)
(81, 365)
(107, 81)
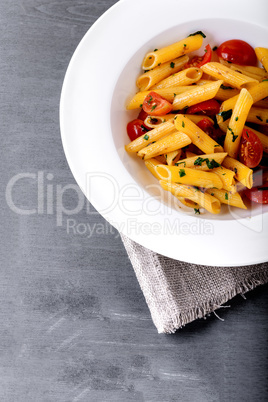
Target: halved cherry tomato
(258, 194)
(198, 61)
(155, 105)
(251, 149)
(135, 129)
(237, 51)
(209, 108)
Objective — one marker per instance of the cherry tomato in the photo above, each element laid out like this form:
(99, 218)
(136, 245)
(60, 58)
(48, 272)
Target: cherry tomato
(142, 116)
(155, 105)
(198, 61)
(208, 127)
(237, 51)
(135, 129)
(209, 107)
(258, 194)
(251, 149)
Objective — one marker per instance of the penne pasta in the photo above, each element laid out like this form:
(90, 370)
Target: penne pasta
(183, 78)
(227, 96)
(205, 200)
(228, 198)
(171, 142)
(197, 136)
(189, 176)
(229, 76)
(152, 77)
(184, 46)
(262, 55)
(242, 173)
(196, 95)
(237, 122)
(154, 135)
(203, 162)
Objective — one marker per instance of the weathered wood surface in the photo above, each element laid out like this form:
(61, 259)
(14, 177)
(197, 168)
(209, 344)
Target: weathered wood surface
(74, 323)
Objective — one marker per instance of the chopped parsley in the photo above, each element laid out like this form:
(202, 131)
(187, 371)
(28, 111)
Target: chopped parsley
(233, 134)
(212, 194)
(215, 48)
(259, 118)
(174, 95)
(235, 170)
(210, 164)
(226, 114)
(153, 120)
(172, 65)
(182, 123)
(182, 173)
(146, 137)
(226, 196)
(198, 33)
(196, 211)
(179, 163)
(150, 99)
(155, 50)
(216, 145)
(236, 118)
(153, 107)
(141, 105)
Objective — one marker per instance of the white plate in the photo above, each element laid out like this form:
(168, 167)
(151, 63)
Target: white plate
(100, 78)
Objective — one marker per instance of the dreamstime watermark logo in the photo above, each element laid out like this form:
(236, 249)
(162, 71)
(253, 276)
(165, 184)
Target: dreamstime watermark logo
(141, 205)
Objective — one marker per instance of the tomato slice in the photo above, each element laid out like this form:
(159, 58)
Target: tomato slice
(209, 108)
(155, 105)
(251, 149)
(208, 127)
(198, 61)
(258, 194)
(237, 51)
(135, 129)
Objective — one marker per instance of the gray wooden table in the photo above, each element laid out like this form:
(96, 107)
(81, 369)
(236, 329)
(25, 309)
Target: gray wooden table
(74, 324)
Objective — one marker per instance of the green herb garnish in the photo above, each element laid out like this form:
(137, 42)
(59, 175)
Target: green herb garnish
(196, 211)
(182, 173)
(198, 33)
(226, 114)
(146, 137)
(172, 65)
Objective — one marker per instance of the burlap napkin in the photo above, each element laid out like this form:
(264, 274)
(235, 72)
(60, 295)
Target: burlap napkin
(178, 293)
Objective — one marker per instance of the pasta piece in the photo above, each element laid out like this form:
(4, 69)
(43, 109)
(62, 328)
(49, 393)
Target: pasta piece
(227, 178)
(205, 200)
(171, 156)
(242, 173)
(251, 71)
(258, 115)
(151, 164)
(229, 76)
(228, 198)
(154, 121)
(237, 122)
(196, 95)
(184, 46)
(189, 176)
(188, 203)
(151, 136)
(168, 93)
(152, 77)
(226, 92)
(172, 142)
(257, 92)
(262, 56)
(185, 77)
(203, 162)
(198, 136)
